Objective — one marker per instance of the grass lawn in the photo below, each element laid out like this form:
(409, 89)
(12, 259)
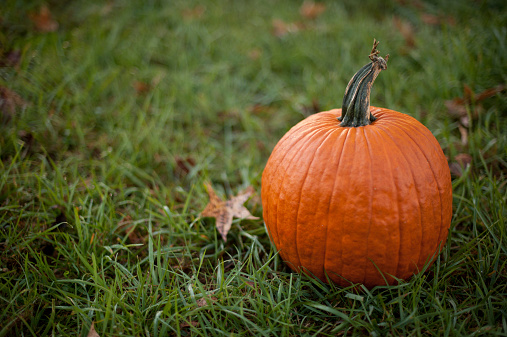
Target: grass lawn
(115, 114)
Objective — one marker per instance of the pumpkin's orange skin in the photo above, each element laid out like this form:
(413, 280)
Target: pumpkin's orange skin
(350, 201)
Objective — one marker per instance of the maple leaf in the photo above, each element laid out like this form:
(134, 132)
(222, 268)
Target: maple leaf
(224, 211)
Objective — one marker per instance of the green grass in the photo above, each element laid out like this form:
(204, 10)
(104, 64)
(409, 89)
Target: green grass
(101, 184)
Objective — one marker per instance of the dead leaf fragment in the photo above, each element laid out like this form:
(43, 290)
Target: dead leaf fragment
(193, 13)
(312, 10)
(282, 28)
(437, 20)
(10, 58)
(406, 30)
(203, 302)
(92, 332)
(461, 162)
(10, 101)
(464, 159)
(43, 20)
(189, 324)
(224, 211)
(490, 92)
(458, 106)
(184, 165)
(141, 87)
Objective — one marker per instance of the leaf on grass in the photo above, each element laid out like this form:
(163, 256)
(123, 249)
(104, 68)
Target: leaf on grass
(255, 54)
(10, 58)
(461, 162)
(141, 87)
(203, 302)
(458, 106)
(193, 13)
(184, 165)
(43, 20)
(312, 10)
(92, 332)
(437, 20)
(490, 92)
(189, 324)
(406, 30)
(281, 28)
(9, 103)
(224, 211)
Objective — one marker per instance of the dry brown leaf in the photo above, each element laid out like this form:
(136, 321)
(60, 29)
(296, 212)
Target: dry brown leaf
(203, 302)
(10, 101)
(461, 162)
(311, 10)
(193, 13)
(184, 165)
(189, 324)
(406, 30)
(141, 87)
(92, 332)
(464, 159)
(43, 20)
(255, 54)
(224, 211)
(10, 58)
(282, 28)
(437, 20)
(490, 92)
(457, 107)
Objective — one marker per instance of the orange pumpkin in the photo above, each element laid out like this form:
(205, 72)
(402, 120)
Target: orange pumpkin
(359, 194)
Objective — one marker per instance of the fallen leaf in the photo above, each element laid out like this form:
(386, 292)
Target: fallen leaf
(461, 162)
(134, 236)
(107, 8)
(184, 165)
(490, 92)
(406, 30)
(141, 87)
(311, 10)
(282, 28)
(255, 54)
(203, 302)
(430, 19)
(10, 58)
(10, 101)
(189, 324)
(437, 20)
(43, 20)
(92, 332)
(457, 107)
(193, 13)
(224, 211)
(464, 159)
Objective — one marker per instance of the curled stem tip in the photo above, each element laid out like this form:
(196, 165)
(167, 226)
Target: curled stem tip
(356, 102)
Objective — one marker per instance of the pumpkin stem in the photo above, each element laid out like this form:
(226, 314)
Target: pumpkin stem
(356, 102)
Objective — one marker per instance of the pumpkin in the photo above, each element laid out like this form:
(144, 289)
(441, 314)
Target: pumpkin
(358, 195)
